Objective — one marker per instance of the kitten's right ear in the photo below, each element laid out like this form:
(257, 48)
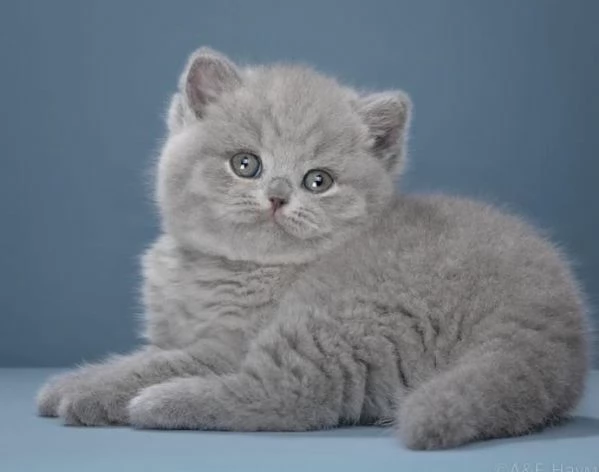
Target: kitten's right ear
(208, 75)
(387, 115)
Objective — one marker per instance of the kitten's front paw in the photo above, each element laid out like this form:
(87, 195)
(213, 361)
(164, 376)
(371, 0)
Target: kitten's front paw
(170, 405)
(53, 391)
(100, 406)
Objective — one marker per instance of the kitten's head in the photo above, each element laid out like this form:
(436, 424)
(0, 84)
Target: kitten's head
(275, 164)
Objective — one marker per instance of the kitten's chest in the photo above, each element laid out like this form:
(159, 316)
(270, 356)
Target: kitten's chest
(191, 297)
(231, 301)
(233, 289)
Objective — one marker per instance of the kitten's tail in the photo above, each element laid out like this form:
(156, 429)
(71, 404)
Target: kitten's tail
(493, 393)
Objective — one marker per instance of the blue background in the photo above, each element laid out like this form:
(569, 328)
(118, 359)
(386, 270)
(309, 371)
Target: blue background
(506, 109)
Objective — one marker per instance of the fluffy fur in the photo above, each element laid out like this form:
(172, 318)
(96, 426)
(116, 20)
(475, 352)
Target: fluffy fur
(445, 317)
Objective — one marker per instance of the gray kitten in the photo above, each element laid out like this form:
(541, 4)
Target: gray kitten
(292, 289)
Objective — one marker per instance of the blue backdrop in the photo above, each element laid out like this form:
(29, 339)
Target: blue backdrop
(506, 109)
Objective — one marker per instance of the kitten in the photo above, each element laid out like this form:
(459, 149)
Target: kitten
(293, 290)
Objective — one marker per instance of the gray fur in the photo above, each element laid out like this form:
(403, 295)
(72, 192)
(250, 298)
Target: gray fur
(445, 317)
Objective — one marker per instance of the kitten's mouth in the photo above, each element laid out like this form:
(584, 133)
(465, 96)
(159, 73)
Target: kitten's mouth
(277, 219)
(291, 227)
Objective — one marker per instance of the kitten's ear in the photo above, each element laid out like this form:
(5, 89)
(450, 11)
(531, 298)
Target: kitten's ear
(387, 115)
(208, 75)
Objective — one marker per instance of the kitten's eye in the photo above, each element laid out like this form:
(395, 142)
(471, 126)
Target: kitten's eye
(246, 165)
(318, 180)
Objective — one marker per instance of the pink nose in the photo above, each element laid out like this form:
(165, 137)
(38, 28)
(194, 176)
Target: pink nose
(277, 203)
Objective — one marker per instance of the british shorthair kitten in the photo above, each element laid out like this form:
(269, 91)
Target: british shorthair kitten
(294, 289)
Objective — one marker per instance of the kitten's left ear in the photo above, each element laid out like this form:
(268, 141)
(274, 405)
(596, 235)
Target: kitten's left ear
(387, 115)
(207, 76)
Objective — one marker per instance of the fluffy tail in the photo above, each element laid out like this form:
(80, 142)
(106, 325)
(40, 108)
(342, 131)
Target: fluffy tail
(494, 391)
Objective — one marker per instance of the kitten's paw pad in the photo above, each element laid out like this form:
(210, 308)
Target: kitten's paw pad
(164, 406)
(432, 422)
(50, 395)
(93, 408)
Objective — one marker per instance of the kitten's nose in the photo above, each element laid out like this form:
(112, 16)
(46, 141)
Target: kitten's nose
(279, 191)
(276, 203)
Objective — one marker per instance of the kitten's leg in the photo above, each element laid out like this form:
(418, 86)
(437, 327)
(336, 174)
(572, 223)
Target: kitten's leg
(298, 375)
(500, 389)
(98, 394)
